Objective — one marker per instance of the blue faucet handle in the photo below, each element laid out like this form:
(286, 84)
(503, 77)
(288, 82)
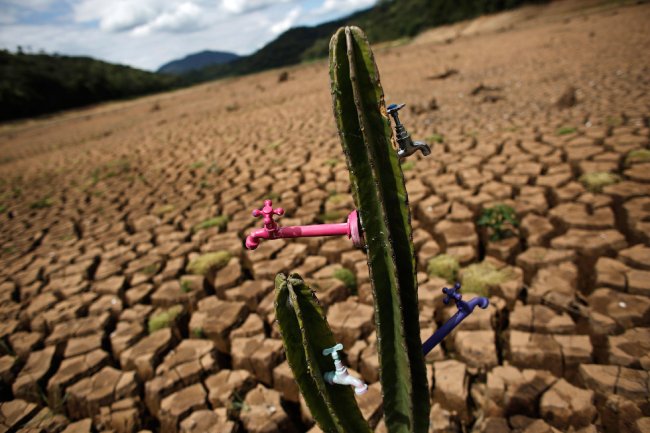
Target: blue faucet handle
(452, 293)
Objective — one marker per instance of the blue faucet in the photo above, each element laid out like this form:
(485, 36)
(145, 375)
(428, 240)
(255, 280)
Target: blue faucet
(464, 310)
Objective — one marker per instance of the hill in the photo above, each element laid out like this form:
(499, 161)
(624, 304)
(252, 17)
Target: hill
(197, 61)
(387, 20)
(33, 84)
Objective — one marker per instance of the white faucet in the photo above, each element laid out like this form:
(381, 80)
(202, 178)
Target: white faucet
(340, 376)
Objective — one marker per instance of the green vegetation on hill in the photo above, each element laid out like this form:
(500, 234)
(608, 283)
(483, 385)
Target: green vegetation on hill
(33, 84)
(387, 21)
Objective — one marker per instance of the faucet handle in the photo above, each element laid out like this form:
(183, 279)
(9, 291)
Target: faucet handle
(394, 108)
(333, 351)
(267, 212)
(452, 293)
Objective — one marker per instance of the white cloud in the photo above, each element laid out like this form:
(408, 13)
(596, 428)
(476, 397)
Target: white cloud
(241, 6)
(148, 33)
(186, 17)
(142, 16)
(344, 5)
(127, 16)
(239, 34)
(287, 22)
(121, 15)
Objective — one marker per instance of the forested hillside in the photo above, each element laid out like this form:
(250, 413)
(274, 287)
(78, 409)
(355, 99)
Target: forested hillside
(33, 84)
(387, 20)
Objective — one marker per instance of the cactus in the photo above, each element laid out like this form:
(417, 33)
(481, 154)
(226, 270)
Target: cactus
(381, 200)
(380, 197)
(305, 334)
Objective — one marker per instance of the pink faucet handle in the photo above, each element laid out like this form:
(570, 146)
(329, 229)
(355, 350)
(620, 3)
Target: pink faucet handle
(267, 212)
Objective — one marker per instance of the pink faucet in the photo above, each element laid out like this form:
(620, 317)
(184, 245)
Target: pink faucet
(272, 230)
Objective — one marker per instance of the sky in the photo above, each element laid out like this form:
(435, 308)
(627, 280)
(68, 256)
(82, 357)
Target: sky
(148, 33)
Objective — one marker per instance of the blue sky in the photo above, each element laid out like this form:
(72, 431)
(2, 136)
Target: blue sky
(148, 33)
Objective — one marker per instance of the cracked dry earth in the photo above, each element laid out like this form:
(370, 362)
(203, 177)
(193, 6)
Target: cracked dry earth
(107, 327)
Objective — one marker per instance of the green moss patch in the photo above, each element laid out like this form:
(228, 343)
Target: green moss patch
(219, 221)
(638, 155)
(565, 130)
(347, 277)
(151, 269)
(596, 181)
(336, 199)
(43, 203)
(435, 138)
(164, 319)
(501, 220)
(206, 263)
(479, 278)
(444, 266)
(332, 216)
(163, 209)
(408, 166)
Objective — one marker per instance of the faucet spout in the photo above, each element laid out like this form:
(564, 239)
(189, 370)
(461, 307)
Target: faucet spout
(253, 240)
(345, 378)
(340, 375)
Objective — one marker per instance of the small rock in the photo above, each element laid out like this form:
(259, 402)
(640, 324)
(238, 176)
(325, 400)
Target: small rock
(263, 412)
(565, 405)
(451, 387)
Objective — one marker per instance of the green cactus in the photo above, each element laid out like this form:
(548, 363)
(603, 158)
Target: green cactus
(380, 197)
(305, 334)
(381, 200)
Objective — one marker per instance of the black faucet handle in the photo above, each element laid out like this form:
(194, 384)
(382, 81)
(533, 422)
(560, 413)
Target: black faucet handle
(392, 109)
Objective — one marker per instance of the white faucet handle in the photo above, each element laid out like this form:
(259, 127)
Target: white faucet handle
(332, 350)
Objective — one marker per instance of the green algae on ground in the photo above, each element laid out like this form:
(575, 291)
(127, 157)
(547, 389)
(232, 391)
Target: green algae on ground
(164, 319)
(637, 155)
(347, 277)
(479, 278)
(595, 182)
(500, 219)
(151, 269)
(408, 166)
(336, 199)
(42, 203)
(435, 138)
(566, 130)
(443, 266)
(163, 209)
(332, 216)
(205, 263)
(219, 221)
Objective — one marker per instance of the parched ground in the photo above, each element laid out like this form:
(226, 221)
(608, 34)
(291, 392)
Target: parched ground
(109, 323)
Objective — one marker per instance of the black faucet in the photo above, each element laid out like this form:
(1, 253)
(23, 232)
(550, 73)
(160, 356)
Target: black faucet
(407, 146)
